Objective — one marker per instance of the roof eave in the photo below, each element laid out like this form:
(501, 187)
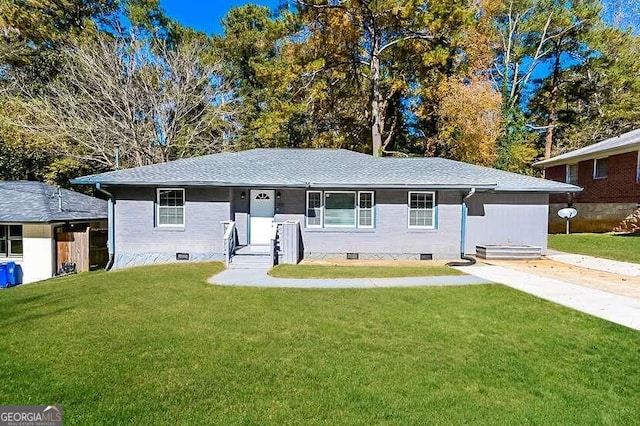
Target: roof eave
(290, 185)
(543, 190)
(589, 156)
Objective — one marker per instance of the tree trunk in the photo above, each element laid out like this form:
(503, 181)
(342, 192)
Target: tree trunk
(376, 125)
(553, 105)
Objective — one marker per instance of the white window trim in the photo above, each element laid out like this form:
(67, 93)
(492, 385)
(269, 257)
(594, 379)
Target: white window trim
(567, 178)
(306, 212)
(433, 210)
(373, 210)
(638, 169)
(184, 204)
(355, 208)
(11, 255)
(595, 163)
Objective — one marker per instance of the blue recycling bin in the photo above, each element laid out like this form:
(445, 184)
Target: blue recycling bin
(4, 278)
(10, 274)
(14, 274)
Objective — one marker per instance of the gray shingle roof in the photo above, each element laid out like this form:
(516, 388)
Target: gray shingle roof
(323, 168)
(626, 142)
(25, 201)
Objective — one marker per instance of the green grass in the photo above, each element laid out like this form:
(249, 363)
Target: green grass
(346, 271)
(157, 345)
(625, 248)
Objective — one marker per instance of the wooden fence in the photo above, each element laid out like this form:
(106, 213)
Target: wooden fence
(86, 248)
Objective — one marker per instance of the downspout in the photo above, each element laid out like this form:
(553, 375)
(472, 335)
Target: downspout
(463, 233)
(111, 234)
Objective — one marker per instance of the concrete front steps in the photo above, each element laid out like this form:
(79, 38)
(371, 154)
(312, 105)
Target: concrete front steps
(251, 257)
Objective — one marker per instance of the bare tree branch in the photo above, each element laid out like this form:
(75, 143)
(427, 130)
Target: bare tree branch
(154, 102)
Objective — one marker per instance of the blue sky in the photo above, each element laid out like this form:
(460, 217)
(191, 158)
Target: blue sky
(205, 15)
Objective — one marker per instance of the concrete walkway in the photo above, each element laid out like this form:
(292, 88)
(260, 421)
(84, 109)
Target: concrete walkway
(259, 278)
(611, 307)
(597, 263)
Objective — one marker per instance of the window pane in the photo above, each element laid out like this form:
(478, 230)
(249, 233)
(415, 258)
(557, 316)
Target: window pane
(366, 217)
(601, 169)
(3, 248)
(171, 198)
(15, 231)
(314, 200)
(366, 200)
(573, 174)
(3, 231)
(171, 216)
(420, 200)
(15, 247)
(339, 209)
(421, 217)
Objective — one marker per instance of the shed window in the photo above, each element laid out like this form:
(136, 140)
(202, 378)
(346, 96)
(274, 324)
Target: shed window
(572, 174)
(600, 168)
(170, 207)
(421, 210)
(11, 240)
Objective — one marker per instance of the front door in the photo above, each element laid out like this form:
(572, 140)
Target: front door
(262, 210)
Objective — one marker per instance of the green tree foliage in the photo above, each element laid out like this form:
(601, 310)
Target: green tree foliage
(598, 97)
(261, 63)
(383, 53)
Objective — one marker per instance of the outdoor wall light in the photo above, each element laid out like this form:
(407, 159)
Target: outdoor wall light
(243, 195)
(278, 195)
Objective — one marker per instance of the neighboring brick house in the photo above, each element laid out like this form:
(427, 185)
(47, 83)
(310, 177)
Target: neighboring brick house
(608, 172)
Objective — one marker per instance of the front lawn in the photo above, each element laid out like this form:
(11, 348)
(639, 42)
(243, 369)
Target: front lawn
(157, 345)
(625, 248)
(346, 271)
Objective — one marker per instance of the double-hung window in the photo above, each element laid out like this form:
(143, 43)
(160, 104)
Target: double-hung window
(11, 240)
(365, 209)
(572, 174)
(600, 168)
(422, 210)
(170, 207)
(340, 209)
(314, 209)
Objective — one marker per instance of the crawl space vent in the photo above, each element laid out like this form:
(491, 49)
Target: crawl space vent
(352, 256)
(426, 256)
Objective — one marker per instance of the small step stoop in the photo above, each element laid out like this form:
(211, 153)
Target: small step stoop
(250, 261)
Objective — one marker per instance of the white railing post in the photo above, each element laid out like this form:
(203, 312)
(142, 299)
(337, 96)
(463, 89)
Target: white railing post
(229, 240)
(273, 243)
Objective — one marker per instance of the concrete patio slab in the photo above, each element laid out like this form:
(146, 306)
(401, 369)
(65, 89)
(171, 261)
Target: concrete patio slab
(259, 278)
(611, 307)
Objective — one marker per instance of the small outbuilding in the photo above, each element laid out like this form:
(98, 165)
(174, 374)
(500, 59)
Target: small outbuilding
(289, 204)
(44, 229)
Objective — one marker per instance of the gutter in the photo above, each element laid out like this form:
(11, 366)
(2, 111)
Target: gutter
(573, 159)
(463, 233)
(111, 242)
(490, 186)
